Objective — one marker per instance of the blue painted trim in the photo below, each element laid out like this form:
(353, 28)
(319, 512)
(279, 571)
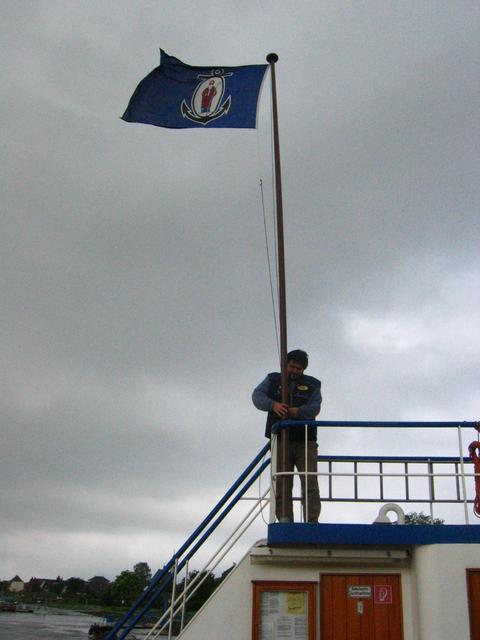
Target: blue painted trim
(446, 459)
(371, 534)
(284, 424)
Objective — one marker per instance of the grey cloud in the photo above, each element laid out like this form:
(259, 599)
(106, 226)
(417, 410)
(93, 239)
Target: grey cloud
(136, 313)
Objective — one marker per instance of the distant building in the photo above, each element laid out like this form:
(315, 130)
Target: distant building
(74, 587)
(16, 585)
(42, 585)
(98, 585)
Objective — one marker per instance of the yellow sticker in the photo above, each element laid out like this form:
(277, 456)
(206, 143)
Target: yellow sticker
(302, 387)
(295, 603)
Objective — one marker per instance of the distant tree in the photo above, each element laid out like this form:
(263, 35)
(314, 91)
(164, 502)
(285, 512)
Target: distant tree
(421, 518)
(57, 587)
(225, 573)
(204, 591)
(144, 573)
(107, 598)
(126, 587)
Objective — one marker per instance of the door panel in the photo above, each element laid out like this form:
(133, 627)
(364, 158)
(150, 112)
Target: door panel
(473, 582)
(361, 607)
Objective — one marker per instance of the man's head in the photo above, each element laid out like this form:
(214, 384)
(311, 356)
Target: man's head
(297, 362)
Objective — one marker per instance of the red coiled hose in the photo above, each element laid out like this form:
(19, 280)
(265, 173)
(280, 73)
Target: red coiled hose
(474, 451)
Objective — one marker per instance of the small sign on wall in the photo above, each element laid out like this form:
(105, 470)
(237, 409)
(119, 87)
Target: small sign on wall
(359, 591)
(382, 594)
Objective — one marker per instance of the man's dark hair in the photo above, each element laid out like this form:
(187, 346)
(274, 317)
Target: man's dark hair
(298, 356)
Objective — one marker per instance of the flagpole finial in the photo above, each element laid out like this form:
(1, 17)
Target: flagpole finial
(272, 57)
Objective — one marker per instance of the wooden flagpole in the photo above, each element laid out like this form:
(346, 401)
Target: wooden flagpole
(282, 458)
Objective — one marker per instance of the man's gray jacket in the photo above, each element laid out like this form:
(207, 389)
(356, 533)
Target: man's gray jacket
(303, 392)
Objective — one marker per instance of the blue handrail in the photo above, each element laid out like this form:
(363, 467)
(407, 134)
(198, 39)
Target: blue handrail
(154, 589)
(164, 577)
(412, 459)
(285, 424)
(199, 543)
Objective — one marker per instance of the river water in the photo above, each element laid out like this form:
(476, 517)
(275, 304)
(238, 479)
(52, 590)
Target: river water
(50, 625)
(44, 625)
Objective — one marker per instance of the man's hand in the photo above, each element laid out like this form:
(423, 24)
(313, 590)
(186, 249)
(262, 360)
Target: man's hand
(293, 412)
(280, 409)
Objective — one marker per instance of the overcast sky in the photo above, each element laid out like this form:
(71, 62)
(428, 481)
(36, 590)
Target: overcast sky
(136, 311)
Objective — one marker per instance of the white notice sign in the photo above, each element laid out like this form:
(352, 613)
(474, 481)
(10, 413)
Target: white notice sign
(359, 591)
(283, 615)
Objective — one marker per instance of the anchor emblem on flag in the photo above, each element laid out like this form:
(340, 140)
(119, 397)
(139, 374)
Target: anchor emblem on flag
(207, 102)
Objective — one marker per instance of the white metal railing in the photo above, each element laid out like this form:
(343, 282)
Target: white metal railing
(378, 471)
(434, 469)
(178, 603)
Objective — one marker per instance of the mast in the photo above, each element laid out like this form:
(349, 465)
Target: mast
(282, 458)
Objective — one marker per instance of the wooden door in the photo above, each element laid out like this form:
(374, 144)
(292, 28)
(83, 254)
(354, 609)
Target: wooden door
(473, 584)
(361, 607)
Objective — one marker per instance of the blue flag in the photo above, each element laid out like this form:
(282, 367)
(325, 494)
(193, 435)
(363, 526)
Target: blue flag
(178, 96)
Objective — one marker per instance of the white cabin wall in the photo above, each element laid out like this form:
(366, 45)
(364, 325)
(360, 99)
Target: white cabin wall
(442, 589)
(228, 612)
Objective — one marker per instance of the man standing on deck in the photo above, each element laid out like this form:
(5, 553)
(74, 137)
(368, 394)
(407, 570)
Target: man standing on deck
(304, 404)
